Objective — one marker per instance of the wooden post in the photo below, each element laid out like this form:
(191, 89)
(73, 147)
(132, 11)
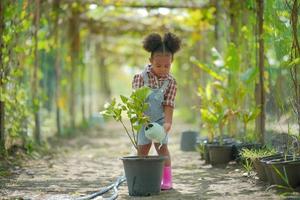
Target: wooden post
(2, 74)
(234, 17)
(104, 76)
(35, 85)
(57, 66)
(295, 53)
(74, 52)
(260, 91)
(82, 92)
(218, 24)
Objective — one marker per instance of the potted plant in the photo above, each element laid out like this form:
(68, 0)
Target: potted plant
(214, 117)
(220, 153)
(245, 142)
(285, 169)
(254, 156)
(209, 120)
(143, 173)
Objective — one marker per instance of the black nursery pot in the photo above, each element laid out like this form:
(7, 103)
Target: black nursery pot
(289, 167)
(143, 174)
(259, 168)
(267, 168)
(206, 150)
(219, 155)
(206, 154)
(188, 140)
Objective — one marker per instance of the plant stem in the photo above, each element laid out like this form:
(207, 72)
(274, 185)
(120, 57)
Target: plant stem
(221, 134)
(245, 129)
(134, 138)
(132, 141)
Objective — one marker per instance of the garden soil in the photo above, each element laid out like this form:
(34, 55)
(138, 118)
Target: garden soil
(91, 161)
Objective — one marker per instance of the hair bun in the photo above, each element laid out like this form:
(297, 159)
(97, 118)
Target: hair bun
(172, 42)
(152, 42)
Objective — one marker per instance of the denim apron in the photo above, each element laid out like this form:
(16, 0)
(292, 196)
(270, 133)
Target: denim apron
(155, 110)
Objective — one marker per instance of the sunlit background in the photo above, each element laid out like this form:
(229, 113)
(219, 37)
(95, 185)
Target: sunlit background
(62, 60)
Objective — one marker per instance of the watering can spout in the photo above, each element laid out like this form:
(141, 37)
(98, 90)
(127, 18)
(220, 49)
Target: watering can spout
(155, 132)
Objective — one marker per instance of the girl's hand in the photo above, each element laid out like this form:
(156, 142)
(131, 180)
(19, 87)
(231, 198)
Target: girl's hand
(167, 127)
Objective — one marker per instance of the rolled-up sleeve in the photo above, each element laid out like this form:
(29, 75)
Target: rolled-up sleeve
(170, 94)
(137, 81)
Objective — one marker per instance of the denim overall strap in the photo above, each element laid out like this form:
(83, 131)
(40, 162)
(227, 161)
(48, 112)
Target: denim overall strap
(164, 86)
(155, 110)
(146, 78)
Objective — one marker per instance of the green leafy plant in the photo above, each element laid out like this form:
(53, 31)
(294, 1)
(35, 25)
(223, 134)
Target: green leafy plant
(200, 148)
(208, 117)
(253, 154)
(246, 116)
(214, 114)
(230, 85)
(248, 166)
(134, 107)
(250, 155)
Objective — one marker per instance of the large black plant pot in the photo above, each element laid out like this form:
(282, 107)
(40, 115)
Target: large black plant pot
(259, 167)
(143, 174)
(267, 168)
(188, 140)
(206, 150)
(219, 155)
(286, 169)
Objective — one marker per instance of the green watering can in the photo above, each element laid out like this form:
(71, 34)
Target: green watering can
(155, 132)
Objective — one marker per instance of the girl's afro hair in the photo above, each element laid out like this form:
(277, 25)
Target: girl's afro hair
(155, 43)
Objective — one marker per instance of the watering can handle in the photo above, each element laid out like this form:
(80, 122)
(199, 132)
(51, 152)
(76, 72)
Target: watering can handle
(161, 141)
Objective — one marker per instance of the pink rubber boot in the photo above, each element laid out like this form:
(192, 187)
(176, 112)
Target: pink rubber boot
(166, 182)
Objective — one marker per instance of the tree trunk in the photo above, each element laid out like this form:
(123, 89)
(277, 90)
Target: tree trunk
(234, 17)
(233, 38)
(2, 129)
(35, 95)
(260, 92)
(82, 89)
(104, 76)
(90, 84)
(295, 53)
(74, 48)
(57, 66)
(2, 111)
(218, 21)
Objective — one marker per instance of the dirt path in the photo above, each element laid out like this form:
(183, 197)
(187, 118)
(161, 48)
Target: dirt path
(86, 164)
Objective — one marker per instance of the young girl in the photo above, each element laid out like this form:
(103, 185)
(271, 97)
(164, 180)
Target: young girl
(157, 76)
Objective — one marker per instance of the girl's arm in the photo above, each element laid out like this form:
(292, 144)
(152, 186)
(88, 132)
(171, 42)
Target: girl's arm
(168, 111)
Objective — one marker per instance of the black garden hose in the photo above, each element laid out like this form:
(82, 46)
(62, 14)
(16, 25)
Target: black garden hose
(113, 186)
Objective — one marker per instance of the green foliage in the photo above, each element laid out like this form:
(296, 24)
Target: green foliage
(229, 75)
(248, 115)
(248, 166)
(14, 93)
(200, 148)
(214, 114)
(253, 154)
(229, 86)
(134, 106)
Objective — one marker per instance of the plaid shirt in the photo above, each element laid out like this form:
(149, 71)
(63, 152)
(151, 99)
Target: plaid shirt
(157, 82)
